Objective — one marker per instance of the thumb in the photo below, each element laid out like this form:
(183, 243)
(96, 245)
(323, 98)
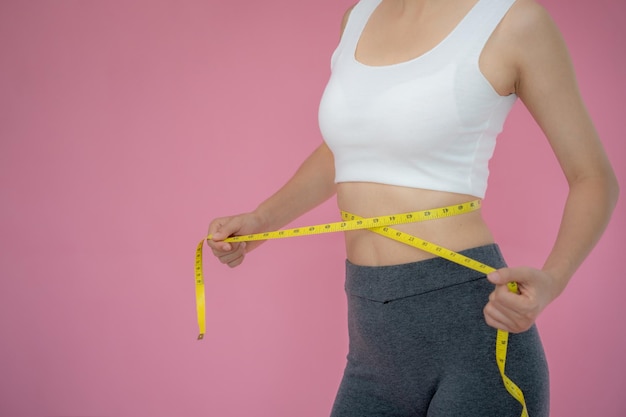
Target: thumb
(218, 235)
(225, 229)
(500, 277)
(516, 279)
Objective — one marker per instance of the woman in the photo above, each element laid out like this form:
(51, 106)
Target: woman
(418, 93)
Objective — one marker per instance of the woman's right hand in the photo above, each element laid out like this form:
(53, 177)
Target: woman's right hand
(311, 185)
(232, 254)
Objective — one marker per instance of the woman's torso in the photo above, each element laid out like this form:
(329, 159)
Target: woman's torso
(370, 199)
(395, 35)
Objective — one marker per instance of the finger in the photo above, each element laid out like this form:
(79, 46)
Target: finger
(501, 320)
(503, 278)
(495, 318)
(219, 248)
(496, 324)
(504, 307)
(232, 259)
(519, 275)
(512, 309)
(236, 262)
(224, 248)
(225, 228)
(513, 315)
(502, 296)
(220, 229)
(216, 224)
(229, 257)
(500, 277)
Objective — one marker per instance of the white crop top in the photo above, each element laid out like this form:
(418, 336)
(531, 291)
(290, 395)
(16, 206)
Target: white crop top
(430, 122)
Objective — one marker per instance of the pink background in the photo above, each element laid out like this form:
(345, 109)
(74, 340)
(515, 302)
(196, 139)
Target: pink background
(125, 126)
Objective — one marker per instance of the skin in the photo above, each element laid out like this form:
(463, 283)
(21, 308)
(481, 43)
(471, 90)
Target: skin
(526, 56)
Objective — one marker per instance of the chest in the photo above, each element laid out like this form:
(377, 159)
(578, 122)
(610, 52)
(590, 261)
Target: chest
(397, 32)
(394, 34)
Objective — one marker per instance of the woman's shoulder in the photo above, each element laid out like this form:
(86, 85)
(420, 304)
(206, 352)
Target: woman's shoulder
(527, 18)
(346, 16)
(530, 35)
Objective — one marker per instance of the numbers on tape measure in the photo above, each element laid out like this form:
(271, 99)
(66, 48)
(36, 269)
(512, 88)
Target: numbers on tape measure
(501, 336)
(351, 222)
(381, 225)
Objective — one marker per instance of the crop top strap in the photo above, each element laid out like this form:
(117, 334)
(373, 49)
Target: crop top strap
(359, 15)
(481, 21)
(478, 25)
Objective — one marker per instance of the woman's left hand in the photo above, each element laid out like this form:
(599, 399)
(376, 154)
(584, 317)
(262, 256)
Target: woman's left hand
(516, 312)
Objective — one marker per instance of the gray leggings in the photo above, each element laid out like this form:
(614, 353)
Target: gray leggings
(419, 345)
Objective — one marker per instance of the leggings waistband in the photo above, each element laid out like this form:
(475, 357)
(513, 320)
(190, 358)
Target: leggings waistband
(386, 283)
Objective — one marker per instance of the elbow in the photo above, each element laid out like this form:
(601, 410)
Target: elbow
(609, 188)
(614, 190)
(602, 187)
(611, 185)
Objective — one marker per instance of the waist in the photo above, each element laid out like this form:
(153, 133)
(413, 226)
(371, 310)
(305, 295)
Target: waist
(365, 248)
(388, 283)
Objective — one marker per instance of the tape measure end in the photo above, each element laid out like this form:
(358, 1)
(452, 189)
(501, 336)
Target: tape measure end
(513, 287)
(201, 336)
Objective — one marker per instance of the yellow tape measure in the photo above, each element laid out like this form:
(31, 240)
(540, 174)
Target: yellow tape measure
(380, 225)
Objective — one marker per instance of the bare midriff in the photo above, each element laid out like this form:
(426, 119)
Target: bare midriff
(371, 199)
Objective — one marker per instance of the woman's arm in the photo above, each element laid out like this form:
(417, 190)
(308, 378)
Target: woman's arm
(312, 184)
(547, 85)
